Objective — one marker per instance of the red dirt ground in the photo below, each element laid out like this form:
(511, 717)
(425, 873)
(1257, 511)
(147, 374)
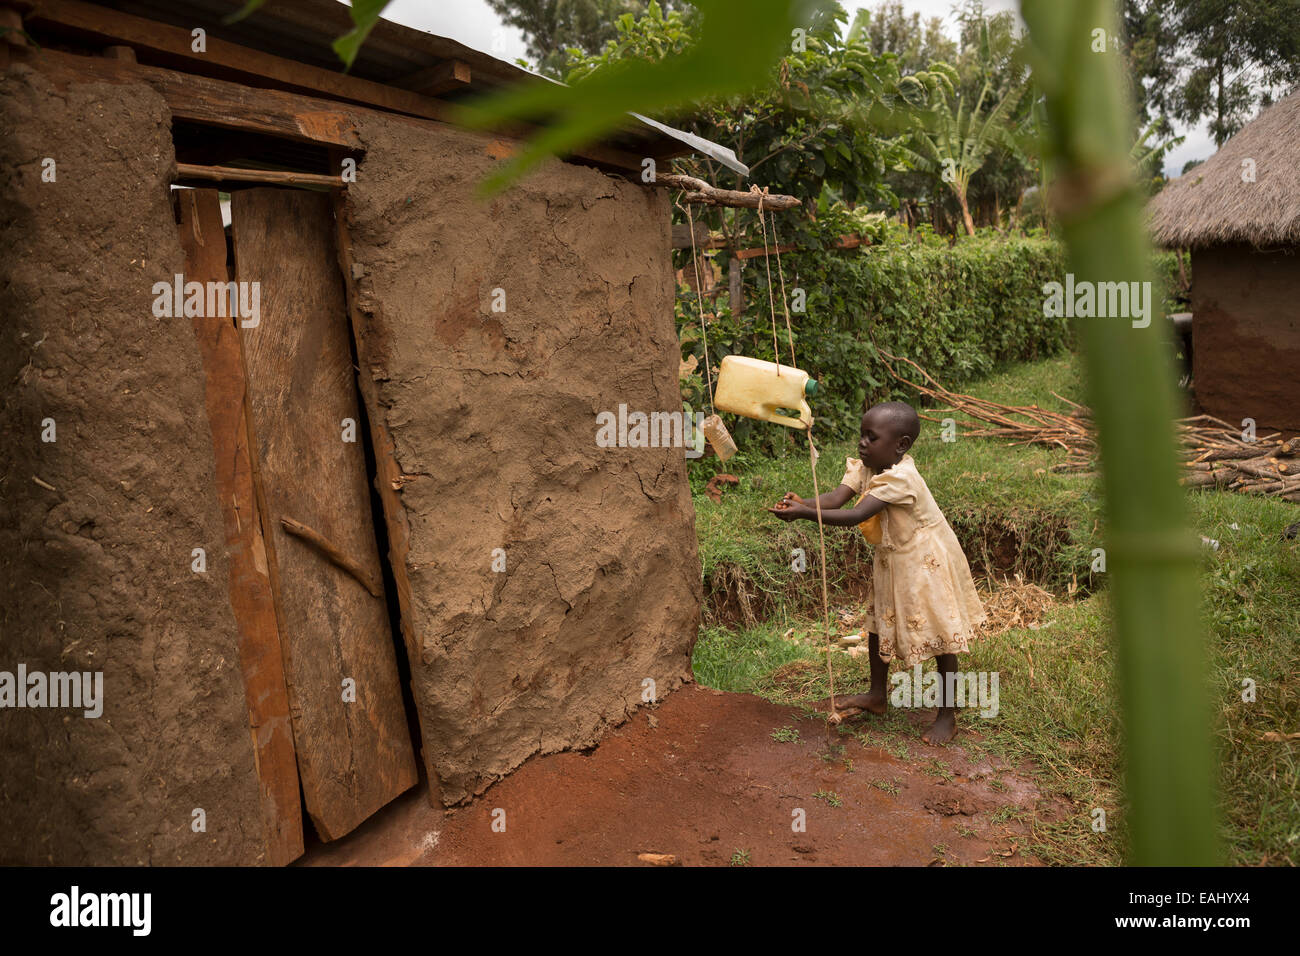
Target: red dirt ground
(699, 776)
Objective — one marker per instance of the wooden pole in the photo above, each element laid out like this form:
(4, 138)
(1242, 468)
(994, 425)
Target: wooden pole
(701, 192)
(273, 176)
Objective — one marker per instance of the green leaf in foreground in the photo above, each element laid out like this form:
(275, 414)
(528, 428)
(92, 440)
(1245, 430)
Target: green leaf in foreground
(1153, 558)
(365, 14)
(738, 42)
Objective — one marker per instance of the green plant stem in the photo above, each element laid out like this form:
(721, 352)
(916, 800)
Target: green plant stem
(1151, 556)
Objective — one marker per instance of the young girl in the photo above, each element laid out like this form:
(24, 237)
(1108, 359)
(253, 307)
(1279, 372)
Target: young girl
(923, 601)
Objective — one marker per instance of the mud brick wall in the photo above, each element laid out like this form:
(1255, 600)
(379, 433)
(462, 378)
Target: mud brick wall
(95, 574)
(1246, 335)
(492, 416)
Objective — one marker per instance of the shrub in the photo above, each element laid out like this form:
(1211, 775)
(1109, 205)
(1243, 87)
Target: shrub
(960, 310)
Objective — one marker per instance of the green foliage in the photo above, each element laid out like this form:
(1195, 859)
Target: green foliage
(960, 311)
(814, 122)
(556, 31)
(730, 53)
(1175, 293)
(987, 75)
(958, 140)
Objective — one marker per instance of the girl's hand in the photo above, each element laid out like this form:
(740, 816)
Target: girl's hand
(788, 510)
(791, 496)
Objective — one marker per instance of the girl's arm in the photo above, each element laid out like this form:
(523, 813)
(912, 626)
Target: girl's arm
(830, 500)
(839, 517)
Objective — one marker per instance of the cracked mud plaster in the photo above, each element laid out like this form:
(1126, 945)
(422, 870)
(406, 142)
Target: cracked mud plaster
(602, 582)
(95, 575)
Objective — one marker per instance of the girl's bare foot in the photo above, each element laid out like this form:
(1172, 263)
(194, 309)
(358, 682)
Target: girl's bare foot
(846, 705)
(943, 729)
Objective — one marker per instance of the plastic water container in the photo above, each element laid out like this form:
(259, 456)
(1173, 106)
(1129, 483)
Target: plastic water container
(757, 389)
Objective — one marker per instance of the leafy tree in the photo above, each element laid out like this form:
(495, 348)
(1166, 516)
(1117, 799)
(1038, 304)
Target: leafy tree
(556, 30)
(987, 51)
(890, 29)
(956, 144)
(1219, 60)
(814, 126)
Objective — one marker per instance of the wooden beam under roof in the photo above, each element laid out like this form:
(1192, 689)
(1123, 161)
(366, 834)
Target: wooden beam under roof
(142, 34)
(120, 29)
(202, 99)
(442, 78)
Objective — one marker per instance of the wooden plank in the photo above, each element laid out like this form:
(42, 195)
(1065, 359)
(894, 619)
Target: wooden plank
(755, 253)
(142, 34)
(353, 757)
(219, 102)
(214, 102)
(204, 241)
(270, 176)
(446, 76)
(388, 478)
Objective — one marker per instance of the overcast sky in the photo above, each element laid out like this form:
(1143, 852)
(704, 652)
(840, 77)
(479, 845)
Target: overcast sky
(473, 23)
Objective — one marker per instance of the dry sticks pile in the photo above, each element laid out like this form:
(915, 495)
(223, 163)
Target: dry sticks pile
(1213, 451)
(1218, 458)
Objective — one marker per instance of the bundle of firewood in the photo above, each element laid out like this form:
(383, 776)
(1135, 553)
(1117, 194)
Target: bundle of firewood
(1217, 457)
(1215, 454)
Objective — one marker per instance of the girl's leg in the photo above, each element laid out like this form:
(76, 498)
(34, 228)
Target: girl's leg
(944, 727)
(876, 700)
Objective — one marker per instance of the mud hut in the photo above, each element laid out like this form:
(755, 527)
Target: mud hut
(312, 503)
(1239, 214)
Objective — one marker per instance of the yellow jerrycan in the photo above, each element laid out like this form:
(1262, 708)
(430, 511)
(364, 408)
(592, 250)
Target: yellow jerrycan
(756, 389)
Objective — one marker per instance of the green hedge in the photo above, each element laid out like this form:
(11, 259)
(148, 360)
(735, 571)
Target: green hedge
(959, 310)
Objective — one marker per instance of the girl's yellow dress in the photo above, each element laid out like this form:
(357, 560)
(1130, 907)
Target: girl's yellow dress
(923, 600)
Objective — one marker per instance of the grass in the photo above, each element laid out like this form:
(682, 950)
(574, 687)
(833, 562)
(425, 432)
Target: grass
(1013, 515)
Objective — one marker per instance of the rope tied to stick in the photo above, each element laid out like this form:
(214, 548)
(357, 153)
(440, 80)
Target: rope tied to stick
(699, 296)
(833, 716)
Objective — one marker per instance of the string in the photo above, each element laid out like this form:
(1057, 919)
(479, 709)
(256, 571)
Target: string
(767, 261)
(785, 303)
(699, 295)
(833, 715)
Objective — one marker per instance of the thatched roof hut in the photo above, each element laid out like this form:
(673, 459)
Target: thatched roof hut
(1249, 191)
(1239, 214)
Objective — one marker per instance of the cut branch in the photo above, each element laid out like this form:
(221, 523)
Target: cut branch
(327, 548)
(698, 191)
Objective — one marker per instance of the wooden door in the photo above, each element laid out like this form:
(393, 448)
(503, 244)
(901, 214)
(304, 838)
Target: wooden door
(354, 749)
(203, 240)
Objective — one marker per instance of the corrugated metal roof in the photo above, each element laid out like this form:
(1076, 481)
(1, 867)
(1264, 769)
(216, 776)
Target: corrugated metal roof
(302, 30)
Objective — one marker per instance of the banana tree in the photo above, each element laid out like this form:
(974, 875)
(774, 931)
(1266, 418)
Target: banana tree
(954, 144)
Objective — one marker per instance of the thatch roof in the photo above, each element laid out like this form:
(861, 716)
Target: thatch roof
(1212, 203)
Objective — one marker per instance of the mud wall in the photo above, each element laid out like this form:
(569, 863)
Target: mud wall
(1246, 335)
(498, 331)
(98, 525)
